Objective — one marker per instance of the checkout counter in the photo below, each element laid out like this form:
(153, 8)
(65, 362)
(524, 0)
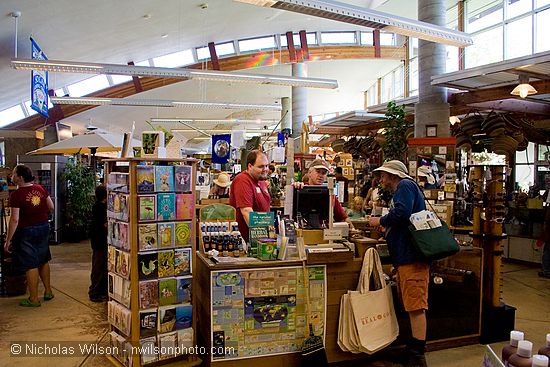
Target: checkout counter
(254, 308)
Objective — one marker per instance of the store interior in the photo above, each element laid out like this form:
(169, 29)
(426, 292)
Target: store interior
(166, 113)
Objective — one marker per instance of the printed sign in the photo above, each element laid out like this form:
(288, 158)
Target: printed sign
(39, 83)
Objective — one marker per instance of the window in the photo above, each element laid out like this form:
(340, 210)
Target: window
(542, 30)
(539, 3)
(387, 39)
(483, 14)
(413, 42)
(338, 38)
(87, 86)
(143, 63)
(519, 38)
(119, 79)
(517, 7)
(527, 156)
(413, 76)
(203, 53)
(30, 111)
(222, 49)
(59, 92)
(372, 97)
(451, 59)
(367, 38)
(487, 48)
(255, 44)
(295, 38)
(174, 60)
(543, 153)
(525, 169)
(10, 115)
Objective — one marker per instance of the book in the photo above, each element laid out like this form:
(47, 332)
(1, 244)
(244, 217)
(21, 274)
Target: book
(145, 177)
(164, 178)
(185, 206)
(146, 208)
(166, 206)
(148, 294)
(167, 319)
(183, 289)
(167, 291)
(261, 225)
(182, 178)
(166, 263)
(183, 234)
(148, 350)
(182, 261)
(184, 317)
(166, 234)
(147, 266)
(147, 236)
(148, 322)
(167, 345)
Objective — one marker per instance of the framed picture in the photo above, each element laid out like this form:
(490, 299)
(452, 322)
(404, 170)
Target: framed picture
(431, 130)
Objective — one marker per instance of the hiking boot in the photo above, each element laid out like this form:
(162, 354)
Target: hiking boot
(416, 360)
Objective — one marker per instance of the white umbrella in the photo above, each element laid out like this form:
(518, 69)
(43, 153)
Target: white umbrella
(86, 144)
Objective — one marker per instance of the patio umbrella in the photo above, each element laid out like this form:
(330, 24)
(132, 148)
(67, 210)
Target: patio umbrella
(91, 143)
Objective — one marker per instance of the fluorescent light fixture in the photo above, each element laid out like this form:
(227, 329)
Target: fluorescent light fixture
(222, 131)
(97, 101)
(133, 70)
(347, 13)
(261, 122)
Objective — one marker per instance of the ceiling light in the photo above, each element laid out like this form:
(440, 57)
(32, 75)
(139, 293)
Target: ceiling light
(454, 120)
(524, 89)
(133, 70)
(369, 18)
(95, 101)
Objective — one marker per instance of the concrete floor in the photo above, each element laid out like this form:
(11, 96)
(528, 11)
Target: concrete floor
(71, 318)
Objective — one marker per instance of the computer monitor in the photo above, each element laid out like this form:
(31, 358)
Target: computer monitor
(312, 204)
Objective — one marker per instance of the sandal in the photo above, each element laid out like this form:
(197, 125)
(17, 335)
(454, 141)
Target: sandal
(28, 303)
(48, 296)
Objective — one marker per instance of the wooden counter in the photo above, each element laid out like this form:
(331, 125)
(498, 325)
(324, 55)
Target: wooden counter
(453, 317)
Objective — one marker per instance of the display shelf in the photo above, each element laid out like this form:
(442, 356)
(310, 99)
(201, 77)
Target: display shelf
(150, 207)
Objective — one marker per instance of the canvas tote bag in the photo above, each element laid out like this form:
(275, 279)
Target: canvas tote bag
(367, 320)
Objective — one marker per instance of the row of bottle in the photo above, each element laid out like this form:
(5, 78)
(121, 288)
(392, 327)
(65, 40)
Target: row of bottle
(219, 227)
(225, 244)
(518, 353)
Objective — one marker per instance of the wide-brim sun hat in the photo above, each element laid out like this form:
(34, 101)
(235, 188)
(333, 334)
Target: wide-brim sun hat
(223, 180)
(426, 171)
(394, 167)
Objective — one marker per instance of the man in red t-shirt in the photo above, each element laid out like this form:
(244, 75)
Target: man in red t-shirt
(249, 191)
(317, 174)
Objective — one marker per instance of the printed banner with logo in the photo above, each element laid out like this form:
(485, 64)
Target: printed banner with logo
(221, 148)
(39, 83)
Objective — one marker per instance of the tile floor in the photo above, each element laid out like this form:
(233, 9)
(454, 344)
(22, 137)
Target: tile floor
(71, 317)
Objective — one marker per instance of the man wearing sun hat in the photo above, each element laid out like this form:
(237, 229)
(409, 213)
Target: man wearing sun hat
(412, 271)
(220, 189)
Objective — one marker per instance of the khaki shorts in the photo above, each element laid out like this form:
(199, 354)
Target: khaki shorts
(412, 281)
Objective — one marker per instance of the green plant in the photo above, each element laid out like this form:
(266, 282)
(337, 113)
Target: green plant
(80, 182)
(274, 188)
(396, 127)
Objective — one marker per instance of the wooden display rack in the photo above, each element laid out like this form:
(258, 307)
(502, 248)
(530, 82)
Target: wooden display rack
(128, 165)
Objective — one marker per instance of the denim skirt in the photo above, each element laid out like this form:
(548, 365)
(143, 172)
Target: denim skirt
(31, 246)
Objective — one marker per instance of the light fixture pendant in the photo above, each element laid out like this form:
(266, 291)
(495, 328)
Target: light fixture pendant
(524, 89)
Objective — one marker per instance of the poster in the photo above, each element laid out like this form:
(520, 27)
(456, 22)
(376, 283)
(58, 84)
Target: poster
(221, 148)
(261, 312)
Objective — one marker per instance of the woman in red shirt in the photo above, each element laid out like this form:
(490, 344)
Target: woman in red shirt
(28, 233)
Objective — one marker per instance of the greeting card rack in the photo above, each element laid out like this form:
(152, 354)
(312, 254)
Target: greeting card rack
(151, 256)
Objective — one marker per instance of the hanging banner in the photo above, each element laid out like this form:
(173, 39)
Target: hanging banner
(221, 148)
(39, 83)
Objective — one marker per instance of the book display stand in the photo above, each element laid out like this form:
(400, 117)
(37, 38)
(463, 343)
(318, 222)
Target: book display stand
(151, 217)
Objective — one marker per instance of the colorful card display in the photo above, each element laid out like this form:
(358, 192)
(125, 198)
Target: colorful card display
(183, 290)
(166, 234)
(146, 208)
(164, 178)
(167, 319)
(183, 234)
(185, 206)
(147, 236)
(148, 266)
(183, 176)
(148, 323)
(184, 317)
(145, 177)
(148, 294)
(166, 206)
(166, 263)
(182, 261)
(167, 291)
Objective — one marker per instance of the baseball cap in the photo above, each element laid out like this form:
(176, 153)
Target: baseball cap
(319, 163)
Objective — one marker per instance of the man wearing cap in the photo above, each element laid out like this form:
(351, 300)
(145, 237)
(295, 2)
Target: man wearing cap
(220, 189)
(317, 175)
(249, 191)
(412, 271)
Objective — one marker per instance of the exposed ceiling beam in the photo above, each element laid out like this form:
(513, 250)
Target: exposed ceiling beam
(515, 105)
(493, 94)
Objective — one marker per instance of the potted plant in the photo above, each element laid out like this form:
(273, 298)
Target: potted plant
(394, 144)
(275, 191)
(80, 182)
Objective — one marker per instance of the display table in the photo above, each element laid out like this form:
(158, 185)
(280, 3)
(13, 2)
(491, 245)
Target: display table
(453, 317)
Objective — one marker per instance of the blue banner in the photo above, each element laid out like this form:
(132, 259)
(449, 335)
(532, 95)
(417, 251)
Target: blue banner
(39, 83)
(221, 148)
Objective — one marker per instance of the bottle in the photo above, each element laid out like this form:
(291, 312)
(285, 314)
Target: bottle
(522, 358)
(545, 351)
(540, 361)
(512, 347)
